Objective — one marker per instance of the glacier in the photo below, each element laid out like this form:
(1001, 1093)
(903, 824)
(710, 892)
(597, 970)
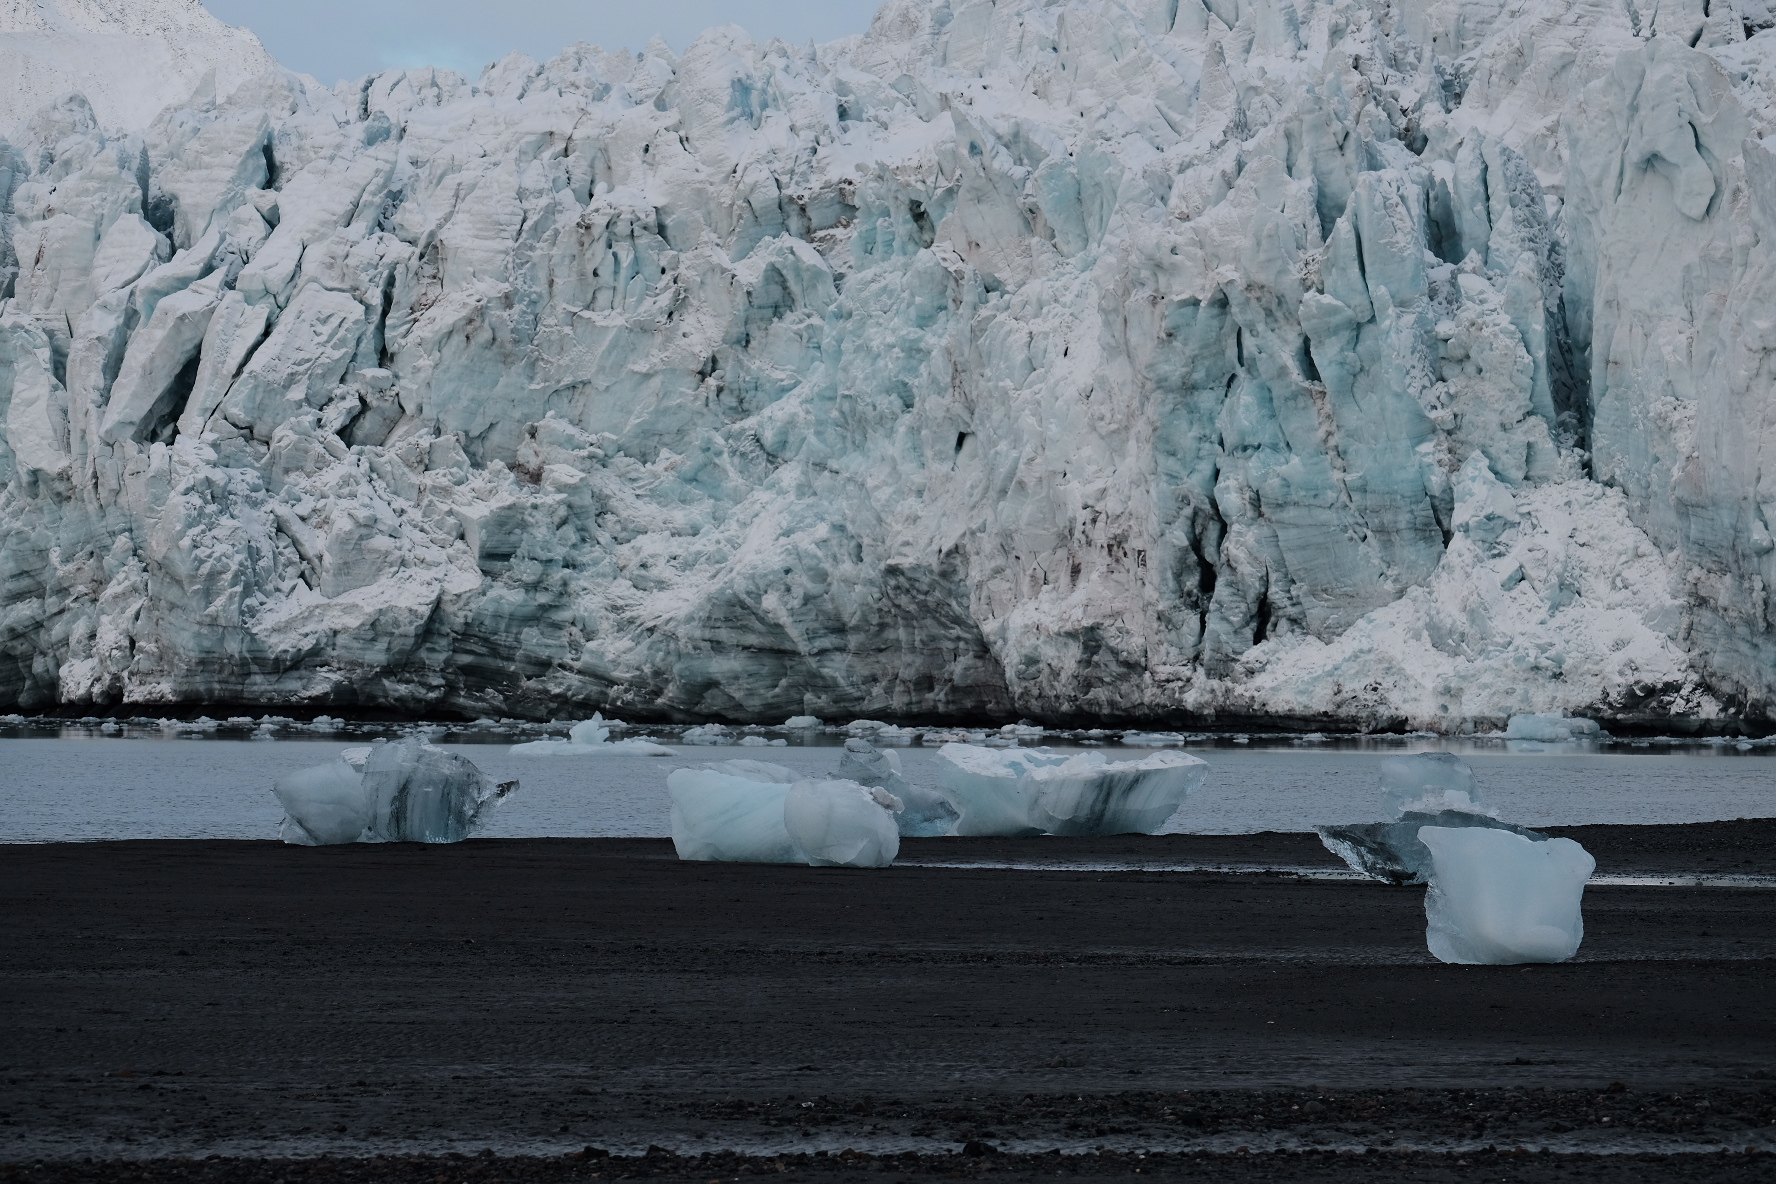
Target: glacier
(1343, 363)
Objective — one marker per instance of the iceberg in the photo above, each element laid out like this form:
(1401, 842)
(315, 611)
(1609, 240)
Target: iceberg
(590, 738)
(1550, 728)
(732, 811)
(1424, 789)
(1019, 792)
(404, 791)
(1500, 899)
(842, 823)
(924, 813)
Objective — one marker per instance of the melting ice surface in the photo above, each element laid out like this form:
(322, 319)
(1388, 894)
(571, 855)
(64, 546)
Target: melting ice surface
(405, 792)
(1499, 898)
(1020, 791)
(842, 824)
(129, 788)
(732, 811)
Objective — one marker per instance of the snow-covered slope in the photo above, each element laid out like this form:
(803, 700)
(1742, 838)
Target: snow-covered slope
(1122, 360)
(130, 58)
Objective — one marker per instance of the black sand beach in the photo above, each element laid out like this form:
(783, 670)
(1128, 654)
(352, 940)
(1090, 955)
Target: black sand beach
(166, 1001)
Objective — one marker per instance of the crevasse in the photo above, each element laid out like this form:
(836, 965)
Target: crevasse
(1335, 361)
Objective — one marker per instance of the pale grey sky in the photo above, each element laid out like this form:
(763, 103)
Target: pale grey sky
(334, 39)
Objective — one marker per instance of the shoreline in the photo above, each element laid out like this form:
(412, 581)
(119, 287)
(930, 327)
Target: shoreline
(172, 999)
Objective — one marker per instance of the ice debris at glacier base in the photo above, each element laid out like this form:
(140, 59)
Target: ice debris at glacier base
(1551, 728)
(1497, 898)
(590, 738)
(405, 791)
(1024, 791)
(840, 823)
(1424, 789)
(1014, 358)
(924, 813)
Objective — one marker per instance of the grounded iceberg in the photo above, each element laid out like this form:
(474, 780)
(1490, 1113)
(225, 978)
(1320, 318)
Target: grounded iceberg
(1424, 789)
(1019, 791)
(732, 811)
(842, 823)
(924, 813)
(404, 791)
(1332, 359)
(590, 738)
(1498, 898)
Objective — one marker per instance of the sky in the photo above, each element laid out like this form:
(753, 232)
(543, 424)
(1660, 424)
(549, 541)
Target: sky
(334, 39)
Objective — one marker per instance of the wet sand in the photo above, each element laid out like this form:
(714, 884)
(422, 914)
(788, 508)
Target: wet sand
(166, 1000)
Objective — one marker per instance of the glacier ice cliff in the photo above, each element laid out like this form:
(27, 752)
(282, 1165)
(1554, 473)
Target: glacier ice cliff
(1361, 362)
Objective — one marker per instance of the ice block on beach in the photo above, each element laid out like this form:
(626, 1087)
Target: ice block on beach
(732, 811)
(404, 791)
(1499, 899)
(842, 823)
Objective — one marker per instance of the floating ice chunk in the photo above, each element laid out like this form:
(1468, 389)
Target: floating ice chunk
(707, 734)
(864, 727)
(1024, 791)
(842, 823)
(1022, 729)
(1500, 899)
(402, 792)
(802, 723)
(732, 811)
(762, 742)
(1550, 728)
(323, 805)
(924, 813)
(590, 738)
(1153, 739)
(1428, 783)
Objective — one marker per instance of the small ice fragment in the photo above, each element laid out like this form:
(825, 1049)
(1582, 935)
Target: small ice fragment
(754, 742)
(1549, 728)
(707, 734)
(1428, 783)
(402, 792)
(323, 805)
(591, 738)
(1152, 739)
(732, 811)
(802, 723)
(864, 727)
(1501, 899)
(1024, 791)
(925, 813)
(842, 823)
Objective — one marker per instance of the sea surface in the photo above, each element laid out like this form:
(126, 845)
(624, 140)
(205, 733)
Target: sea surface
(90, 786)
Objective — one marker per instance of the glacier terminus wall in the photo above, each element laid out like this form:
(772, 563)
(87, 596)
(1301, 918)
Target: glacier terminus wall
(1357, 363)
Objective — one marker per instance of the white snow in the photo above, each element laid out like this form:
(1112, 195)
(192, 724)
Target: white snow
(842, 823)
(1499, 899)
(129, 58)
(1021, 791)
(1359, 361)
(405, 791)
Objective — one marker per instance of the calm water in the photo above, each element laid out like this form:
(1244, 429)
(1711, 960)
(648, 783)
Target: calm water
(134, 788)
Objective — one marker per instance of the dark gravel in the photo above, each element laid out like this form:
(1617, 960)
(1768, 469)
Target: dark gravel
(166, 1001)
